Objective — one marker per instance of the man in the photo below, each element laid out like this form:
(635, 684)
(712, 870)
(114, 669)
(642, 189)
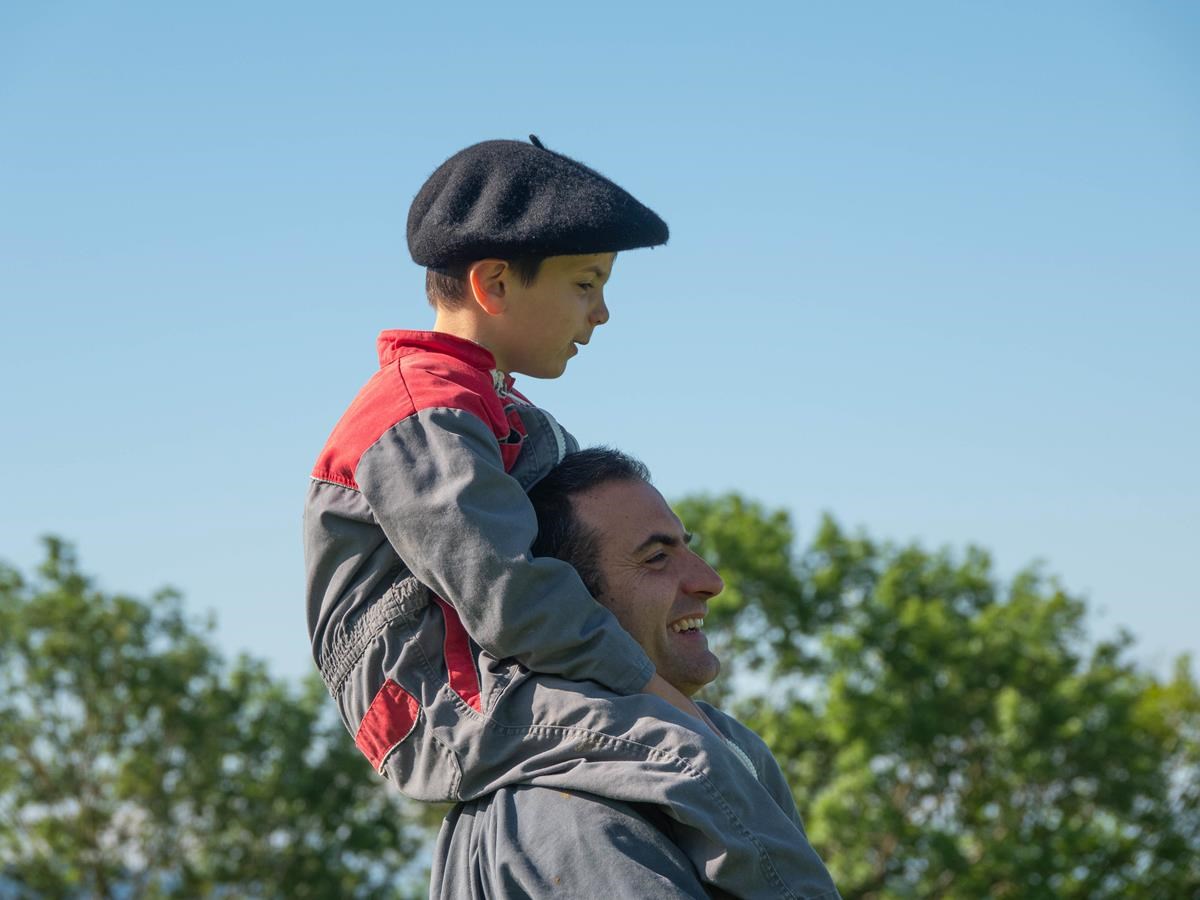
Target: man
(598, 511)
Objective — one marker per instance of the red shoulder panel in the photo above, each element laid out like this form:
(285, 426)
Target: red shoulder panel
(401, 388)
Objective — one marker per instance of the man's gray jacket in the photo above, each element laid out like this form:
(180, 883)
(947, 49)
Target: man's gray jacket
(527, 841)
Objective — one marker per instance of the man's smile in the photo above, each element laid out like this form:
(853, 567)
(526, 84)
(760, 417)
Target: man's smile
(688, 624)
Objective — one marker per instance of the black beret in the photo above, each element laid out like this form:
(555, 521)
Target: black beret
(511, 199)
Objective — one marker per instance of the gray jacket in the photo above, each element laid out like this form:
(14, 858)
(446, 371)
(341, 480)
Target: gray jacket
(537, 842)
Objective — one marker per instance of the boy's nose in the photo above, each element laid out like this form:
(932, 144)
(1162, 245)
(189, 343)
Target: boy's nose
(599, 312)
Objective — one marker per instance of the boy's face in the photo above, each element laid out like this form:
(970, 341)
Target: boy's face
(544, 321)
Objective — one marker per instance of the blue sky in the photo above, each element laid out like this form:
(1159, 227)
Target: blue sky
(934, 268)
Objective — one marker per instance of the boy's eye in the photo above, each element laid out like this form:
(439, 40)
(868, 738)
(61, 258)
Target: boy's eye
(586, 285)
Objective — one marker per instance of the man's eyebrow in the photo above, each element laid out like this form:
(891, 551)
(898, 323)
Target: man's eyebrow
(600, 273)
(667, 540)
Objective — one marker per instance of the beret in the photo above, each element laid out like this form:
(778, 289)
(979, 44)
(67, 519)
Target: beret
(511, 199)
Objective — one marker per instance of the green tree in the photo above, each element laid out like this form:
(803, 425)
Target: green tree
(948, 735)
(134, 762)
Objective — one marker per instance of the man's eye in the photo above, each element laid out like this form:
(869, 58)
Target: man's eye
(587, 286)
(657, 557)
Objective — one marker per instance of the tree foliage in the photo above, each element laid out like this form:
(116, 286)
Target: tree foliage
(134, 762)
(948, 735)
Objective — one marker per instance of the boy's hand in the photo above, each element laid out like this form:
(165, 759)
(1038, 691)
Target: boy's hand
(660, 687)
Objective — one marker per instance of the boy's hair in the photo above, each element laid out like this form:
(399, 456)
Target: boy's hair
(448, 289)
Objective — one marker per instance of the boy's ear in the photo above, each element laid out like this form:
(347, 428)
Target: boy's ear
(488, 282)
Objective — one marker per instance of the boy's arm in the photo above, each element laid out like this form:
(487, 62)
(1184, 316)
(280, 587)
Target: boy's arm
(438, 488)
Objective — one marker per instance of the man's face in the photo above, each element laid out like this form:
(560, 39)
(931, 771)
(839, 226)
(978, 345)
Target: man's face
(654, 584)
(544, 321)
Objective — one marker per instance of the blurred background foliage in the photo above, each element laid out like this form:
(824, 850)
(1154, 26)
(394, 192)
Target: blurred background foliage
(946, 733)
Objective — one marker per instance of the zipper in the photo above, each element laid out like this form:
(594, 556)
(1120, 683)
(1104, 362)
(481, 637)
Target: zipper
(500, 385)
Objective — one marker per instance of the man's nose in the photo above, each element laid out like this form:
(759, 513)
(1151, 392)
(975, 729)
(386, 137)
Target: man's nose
(703, 578)
(599, 312)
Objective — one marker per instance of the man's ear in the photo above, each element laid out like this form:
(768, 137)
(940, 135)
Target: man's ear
(488, 281)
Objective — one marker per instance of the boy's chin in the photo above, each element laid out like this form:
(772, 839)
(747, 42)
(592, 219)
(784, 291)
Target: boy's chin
(543, 371)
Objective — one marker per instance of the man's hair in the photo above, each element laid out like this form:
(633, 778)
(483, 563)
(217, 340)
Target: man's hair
(560, 533)
(448, 287)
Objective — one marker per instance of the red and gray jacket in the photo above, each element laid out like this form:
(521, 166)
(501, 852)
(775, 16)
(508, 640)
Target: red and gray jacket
(425, 475)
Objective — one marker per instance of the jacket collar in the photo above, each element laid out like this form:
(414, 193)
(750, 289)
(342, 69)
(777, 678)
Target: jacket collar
(394, 343)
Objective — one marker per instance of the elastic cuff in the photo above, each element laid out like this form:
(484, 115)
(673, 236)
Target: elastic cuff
(638, 681)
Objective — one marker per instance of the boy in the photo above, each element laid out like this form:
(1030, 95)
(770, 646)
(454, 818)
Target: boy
(428, 617)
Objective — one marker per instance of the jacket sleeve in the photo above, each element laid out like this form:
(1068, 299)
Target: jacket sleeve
(437, 486)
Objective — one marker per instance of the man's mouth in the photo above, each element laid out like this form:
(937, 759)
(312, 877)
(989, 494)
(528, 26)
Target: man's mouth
(695, 623)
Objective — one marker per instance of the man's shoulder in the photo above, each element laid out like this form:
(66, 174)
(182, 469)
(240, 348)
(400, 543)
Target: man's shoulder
(743, 736)
(541, 841)
(766, 766)
(567, 819)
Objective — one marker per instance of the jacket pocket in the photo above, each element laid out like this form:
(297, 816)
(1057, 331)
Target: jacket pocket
(390, 718)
